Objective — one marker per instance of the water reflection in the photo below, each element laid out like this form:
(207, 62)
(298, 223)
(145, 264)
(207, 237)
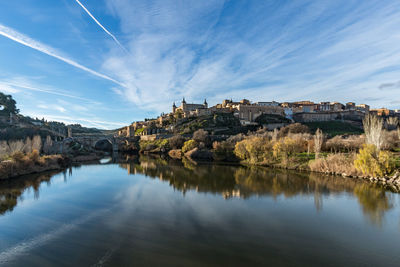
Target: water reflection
(244, 182)
(226, 181)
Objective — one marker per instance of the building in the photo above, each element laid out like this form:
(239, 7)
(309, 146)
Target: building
(384, 112)
(330, 106)
(363, 108)
(268, 104)
(350, 106)
(300, 106)
(186, 108)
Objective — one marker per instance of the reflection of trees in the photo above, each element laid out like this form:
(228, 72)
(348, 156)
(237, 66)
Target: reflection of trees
(228, 181)
(244, 182)
(374, 202)
(11, 190)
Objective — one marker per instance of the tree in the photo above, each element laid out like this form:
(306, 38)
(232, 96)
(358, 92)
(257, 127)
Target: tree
(201, 136)
(8, 104)
(318, 140)
(373, 128)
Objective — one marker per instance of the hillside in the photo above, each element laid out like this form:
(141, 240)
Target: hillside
(218, 123)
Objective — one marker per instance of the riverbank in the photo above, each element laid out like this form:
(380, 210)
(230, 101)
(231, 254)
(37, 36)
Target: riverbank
(292, 151)
(23, 164)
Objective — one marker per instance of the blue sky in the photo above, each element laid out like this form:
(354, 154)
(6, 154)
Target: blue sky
(128, 60)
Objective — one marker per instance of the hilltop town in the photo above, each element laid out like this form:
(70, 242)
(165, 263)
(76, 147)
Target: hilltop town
(244, 115)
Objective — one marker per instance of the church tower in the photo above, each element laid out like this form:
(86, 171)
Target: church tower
(205, 103)
(173, 108)
(183, 104)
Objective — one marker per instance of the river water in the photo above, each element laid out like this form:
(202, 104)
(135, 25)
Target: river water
(152, 212)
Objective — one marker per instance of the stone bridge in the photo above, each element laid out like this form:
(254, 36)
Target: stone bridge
(100, 142)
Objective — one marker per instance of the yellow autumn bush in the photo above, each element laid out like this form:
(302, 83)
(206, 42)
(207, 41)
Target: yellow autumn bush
(372, 162)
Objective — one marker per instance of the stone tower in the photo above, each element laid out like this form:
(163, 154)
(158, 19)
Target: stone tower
(173, 108)
(205, 103)
(184, 104)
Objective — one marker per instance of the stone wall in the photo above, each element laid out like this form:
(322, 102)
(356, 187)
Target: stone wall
(351, 115)
(251, 112)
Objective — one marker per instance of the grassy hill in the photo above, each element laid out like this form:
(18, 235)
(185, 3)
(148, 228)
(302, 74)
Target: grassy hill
(333, 128)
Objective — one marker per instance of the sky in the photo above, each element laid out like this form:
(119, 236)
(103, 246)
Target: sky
(107, 63)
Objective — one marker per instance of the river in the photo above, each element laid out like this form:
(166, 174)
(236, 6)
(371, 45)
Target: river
(150, 211)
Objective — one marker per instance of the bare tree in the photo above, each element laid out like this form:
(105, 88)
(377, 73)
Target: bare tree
(48, 144)
(16, 146)
(373, 128)
(201, 136)
(391, 123)
(4, 149)
(318, 141)
(37, 143)
(28, 145)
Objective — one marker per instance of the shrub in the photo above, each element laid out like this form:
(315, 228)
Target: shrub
(239, 137)
(302, 140)
(293, 128)
(390, 139)
(18, 156)
(335, 163)
(161, 144)
(224, 150)
(176, 141)
(189, 145)
(339, 143)
(285, 148)
(254, 149)
(372, 162)
(201, 136)
(34, 156)
(241, 151)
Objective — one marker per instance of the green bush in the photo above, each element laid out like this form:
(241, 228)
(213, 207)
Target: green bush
(189, 145)
(162, 144)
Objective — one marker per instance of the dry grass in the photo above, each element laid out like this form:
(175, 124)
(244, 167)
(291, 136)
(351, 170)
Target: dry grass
(335, 164)
(21, 164)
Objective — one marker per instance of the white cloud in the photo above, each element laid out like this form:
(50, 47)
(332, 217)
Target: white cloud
(313, 50)
(11, 84)
(29, 42)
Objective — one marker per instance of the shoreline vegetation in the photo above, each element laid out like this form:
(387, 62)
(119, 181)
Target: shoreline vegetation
(18, 158)
(373, 156)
